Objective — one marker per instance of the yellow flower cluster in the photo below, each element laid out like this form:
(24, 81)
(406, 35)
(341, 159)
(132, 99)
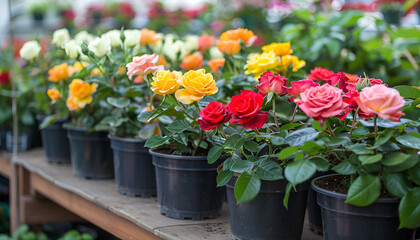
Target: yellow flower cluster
(80, 94)
(197, 84)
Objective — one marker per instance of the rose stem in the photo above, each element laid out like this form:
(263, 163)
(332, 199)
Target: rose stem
(329, 128)
(274, 112)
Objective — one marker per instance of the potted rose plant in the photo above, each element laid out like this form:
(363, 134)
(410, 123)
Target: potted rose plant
(185, 182)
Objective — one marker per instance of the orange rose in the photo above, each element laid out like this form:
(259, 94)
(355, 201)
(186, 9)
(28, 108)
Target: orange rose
(59, 73)
(139, 79)
(191, 62)
(247, 36)
(205, 42)
(82, 92)
(71, 105)
(54, 94)
(215, 64)
(229, 47)
(77, 67)
(122, 69)
(148, 36)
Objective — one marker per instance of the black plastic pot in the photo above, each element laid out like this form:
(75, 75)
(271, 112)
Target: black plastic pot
(91, 153)
(265, 217)
(24, 140)
(347, 222)
(392, 16)
(134, 171)
(186, 186)
(56, 144)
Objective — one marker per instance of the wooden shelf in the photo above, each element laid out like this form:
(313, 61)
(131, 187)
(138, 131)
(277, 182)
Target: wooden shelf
(98, 202)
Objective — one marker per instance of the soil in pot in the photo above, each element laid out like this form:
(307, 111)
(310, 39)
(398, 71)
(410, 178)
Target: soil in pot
(56, 144)
(91, 153)
(186, 186)
(347, 222)
(265, 217)
(134, 171)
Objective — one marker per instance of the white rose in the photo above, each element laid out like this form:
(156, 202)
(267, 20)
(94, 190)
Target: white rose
(215, 53)
(72, 49)
(100, 46)
(83, 36)
(30, 50)
(114, 37)
(157, 47)
(132, 38)
(175, 51)
(60, 36)
(191, 43)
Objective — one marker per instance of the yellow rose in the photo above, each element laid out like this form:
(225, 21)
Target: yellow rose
(82, 92)
(297, 64)
(77, 67)
(54, 94)
(71, 105)
(165, 82)
(261, 63)
(95, 71)
(280, 49)
(197, 84)
(59, 73)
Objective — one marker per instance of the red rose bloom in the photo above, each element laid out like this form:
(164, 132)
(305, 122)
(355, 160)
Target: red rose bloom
(318, 74)
(213, 115)
(298, 87)
(352, 104)
(245, 109)
(340, 78)
(272, 83)
(4, 78)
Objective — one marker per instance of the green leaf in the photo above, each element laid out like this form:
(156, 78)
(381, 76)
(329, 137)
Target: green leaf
(269, 171)
(364, 191)
(155, 141)
(234, 142)
(118, 102)
(252, 146)
(178, 126)
(287, 195)
(299, 137)
(247, 187)
(385, 136)
(409, 141)
(338, 141)
(299, 171)
(396, 184)
(321, 163)
(277, 141)
(144, 116)
(223, 177)
(241, 166)
(414, 173)
(47, 121)
(408, 91)
(345, 168)
(214, 154)
(409, 209)
(290, 126)
(395, 159)
(317, 126)
(333, 47)
(410, 162)
(359, 149)
(369, 159)
(287, 152)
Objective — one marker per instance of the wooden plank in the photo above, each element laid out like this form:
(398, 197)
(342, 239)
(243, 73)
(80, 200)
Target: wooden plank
(13, 198)
(93, 213)
(5, 167)
(34, 210)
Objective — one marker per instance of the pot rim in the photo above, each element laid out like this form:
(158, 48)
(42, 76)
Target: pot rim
(68, 126)
(342, 195)
(129, 139)
(177, 157)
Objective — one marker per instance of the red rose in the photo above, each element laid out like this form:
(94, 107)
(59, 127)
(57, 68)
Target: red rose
(298, 87)
(213, 115)
(4, 78)
(245, 109)
(352, 104)
(318, 74)
(272, 83)
(351, 86)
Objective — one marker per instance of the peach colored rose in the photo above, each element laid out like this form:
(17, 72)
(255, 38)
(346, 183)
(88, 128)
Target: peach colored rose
(229, 47)
(215, 64)
(191, 62)
(382, 101)
(54, 94)
(205, 42)
(322, 102)
(143, 65)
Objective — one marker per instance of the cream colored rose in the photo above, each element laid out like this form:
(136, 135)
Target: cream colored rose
(215, 53)
(100, 46)
(132, 37)
(60, 36)
(191, 43)
(175, 51)
(114, 37)
(72, 49)
(83, 36)
(30, 50)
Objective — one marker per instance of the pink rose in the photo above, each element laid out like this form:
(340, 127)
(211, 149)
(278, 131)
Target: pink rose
(298, 87)
(322, 102)
(382, 101)
(143, 65)
(318, 74)
(272, 83)
(349, 99)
